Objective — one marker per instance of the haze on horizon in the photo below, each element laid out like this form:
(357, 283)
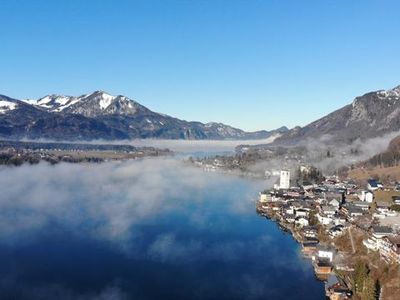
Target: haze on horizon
(253, 65)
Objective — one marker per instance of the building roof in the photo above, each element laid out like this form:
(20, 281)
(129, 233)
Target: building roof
(383, 204)
(328, 208)
(382, 229)
(332, 280)
(324, 263)
(360, 203)
(326, 248)
(354, 209)
(373, 183)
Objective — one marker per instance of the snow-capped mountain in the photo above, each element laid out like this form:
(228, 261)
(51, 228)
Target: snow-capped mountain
(370, 115)
(101, 115)
(91, 105)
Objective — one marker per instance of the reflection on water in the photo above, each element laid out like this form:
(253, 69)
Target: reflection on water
(149, 229)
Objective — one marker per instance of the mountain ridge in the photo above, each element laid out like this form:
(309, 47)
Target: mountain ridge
(370, 115)
(100, 115)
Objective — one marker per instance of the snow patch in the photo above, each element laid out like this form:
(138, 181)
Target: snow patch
(30, 101)
(43, 101)
(62, 100)
(105, 100)
(72, 102)
(7, 106)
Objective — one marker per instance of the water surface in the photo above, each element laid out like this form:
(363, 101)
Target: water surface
(150, 229)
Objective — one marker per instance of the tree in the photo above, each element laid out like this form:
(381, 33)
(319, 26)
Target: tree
(368, 292)
(359, 277)
(395, 207)
(313, 220)
(377, 289)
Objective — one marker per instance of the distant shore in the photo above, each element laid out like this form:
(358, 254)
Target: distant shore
(15, 153)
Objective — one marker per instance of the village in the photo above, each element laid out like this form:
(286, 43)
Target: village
(349, 231)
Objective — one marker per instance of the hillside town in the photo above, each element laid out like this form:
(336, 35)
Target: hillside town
(350, 231)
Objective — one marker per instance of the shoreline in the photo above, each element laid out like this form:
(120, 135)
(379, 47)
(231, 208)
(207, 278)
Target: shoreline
(310, 256)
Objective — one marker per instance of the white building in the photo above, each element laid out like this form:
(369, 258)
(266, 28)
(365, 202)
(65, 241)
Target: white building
(284, 182)
(366, 196)
(301, 221)
(326, 253)
(265, 197)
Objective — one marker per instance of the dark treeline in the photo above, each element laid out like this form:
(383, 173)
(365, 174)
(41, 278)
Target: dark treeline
(389, 158)
(386, 159)
(311, 175)
(17, 159)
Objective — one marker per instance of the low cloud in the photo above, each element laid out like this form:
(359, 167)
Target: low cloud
(156, 211)
(103, 201)
(183, 146)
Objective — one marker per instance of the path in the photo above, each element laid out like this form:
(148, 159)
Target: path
(351, 240)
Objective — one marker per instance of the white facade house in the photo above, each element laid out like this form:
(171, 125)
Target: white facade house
(264, 197)
(371, 243)
(324, 220)
(367, 196)
(334, 202)
(301, 213)
(326, 253)
(284, 181)
(301, 221)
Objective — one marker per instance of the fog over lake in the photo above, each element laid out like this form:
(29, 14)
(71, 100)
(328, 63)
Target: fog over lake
(146, 229)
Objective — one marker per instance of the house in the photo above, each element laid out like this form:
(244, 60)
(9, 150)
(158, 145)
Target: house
(336, 230)
(287, 209)
(389, 249)
(371, 243)
(301, 221)
(309, 247)
(334, 203)
(328, 211)
(396, 199)
(337, 195)
(265, 197)
(307, 186)
(310, 231)
(382, 207)
(374, 185)
(367, 196)
(301, 212)
(323, 267)
(352, 211)
(361, 204)
(324, 220)
(381, 231)
(290, 218)
(336, 288)
(325, 253)
(339, 220)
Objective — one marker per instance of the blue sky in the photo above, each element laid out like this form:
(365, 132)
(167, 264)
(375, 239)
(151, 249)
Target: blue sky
(250, 64)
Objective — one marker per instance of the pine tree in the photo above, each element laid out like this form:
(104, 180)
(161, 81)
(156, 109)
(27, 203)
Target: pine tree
(377, 289)
(360, 275)
(368, 292)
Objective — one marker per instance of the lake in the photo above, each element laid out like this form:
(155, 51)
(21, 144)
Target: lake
(148, 229)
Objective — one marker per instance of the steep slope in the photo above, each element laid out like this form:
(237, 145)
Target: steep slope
(101, 115)
(29, 121)
(370, 115)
